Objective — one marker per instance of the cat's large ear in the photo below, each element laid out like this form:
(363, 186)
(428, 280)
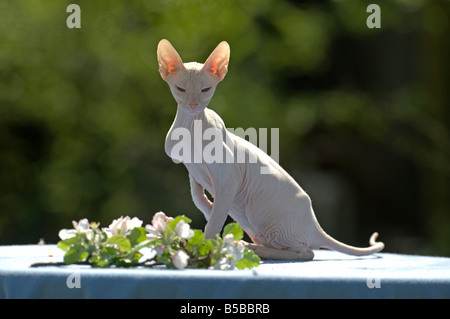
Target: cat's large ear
(217, 63)
(168, 59)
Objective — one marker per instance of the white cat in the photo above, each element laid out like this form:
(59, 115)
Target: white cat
(272, 208)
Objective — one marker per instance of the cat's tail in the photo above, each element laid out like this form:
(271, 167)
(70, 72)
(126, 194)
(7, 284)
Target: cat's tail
(331, 243)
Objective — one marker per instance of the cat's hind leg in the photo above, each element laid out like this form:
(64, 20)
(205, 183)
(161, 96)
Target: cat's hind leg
(299, 253)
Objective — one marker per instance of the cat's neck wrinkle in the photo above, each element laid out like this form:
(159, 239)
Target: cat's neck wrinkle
(184, 118)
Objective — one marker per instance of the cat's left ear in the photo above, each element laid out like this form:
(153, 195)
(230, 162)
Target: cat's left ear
(217, 63)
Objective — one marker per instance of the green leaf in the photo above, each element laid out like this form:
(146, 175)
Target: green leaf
(69, 242)
(123, 262)
(175, 221)
(206, 246)
(249, 260)
(146, 243)
(121, 241)
(63, 246)
(105, 258)
(137, 235)
(197, 238)
(235, 229)
(135, 257)
(108, 252)
(75, 254)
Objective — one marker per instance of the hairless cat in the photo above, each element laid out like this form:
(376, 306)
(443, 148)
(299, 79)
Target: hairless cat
(274, 211)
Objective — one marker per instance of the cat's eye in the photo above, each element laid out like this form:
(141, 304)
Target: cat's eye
(180, 89)
(206, 89)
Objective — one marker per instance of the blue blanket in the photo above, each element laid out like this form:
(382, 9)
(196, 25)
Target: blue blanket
(329, 275)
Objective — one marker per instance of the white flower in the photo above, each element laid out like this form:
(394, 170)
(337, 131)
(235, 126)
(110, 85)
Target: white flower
(158, 226)
(147, 253)
(82, 226)
(180, 259)
(239, 250)
(160, 221)
(234, 250)
(66, 233)
(224, 263)
(122, 226)
(151, 232)
(228, 240)
(183, 230)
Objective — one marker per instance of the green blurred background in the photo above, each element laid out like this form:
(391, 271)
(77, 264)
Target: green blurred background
(363, 113)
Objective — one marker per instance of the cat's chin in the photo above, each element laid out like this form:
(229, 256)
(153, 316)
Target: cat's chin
(188, 110)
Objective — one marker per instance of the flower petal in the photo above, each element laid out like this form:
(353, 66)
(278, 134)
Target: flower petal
(67, 233)
(180, 259)
(151, 232)
(183, 230)
(229, 240)
(83, 225)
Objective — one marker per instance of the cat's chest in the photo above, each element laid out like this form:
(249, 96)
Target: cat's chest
(185, 143)
(194, 142)
(187, 152)
(190, 139)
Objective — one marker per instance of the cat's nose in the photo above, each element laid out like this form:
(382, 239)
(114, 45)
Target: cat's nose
(193, 105)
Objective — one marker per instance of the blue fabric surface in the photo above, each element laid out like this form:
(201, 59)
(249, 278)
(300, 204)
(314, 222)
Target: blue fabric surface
(330, 275)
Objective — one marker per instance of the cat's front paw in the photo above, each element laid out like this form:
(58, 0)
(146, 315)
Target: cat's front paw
(209, 233)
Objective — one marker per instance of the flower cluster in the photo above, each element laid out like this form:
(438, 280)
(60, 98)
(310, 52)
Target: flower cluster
(233, 250)
(166, 241)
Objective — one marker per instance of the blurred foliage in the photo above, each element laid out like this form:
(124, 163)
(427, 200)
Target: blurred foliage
(363, 113)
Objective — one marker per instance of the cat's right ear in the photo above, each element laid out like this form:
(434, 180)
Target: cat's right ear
(168, 59)
(217, 62)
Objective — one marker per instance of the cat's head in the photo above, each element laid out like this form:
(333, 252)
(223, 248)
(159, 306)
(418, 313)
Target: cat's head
(192, 84)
